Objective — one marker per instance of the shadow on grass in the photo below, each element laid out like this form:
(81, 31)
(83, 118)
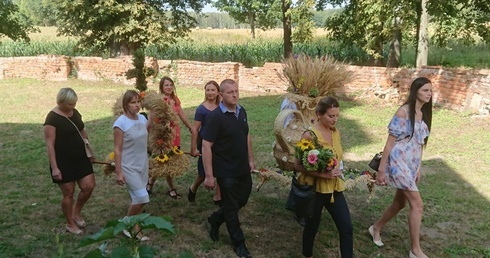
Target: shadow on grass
(455, 223)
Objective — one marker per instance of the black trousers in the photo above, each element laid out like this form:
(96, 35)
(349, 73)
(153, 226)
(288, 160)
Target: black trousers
(341, 217)
(234, 195)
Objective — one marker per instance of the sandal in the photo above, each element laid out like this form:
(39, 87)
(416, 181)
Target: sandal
(173, 194)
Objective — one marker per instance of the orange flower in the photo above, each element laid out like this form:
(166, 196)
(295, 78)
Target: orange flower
(142, 94)
(156, 120)
(160, 142)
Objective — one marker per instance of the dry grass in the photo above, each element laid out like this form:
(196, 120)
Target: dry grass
(210, 36)
(317, 76)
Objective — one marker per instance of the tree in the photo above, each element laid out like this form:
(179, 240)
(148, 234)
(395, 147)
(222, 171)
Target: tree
(423, 36)
(39, 12)
(123, 25)
(286, 26)
(369, 23)
(303, 20)
(261, 14)
(12, 24)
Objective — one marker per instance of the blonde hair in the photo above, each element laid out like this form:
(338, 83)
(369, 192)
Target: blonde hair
(66, 95)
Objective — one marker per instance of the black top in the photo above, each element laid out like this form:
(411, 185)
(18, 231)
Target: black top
(69, 147)
(228, 133)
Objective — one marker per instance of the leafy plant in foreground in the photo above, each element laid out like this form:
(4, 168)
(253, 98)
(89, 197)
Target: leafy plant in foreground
(131, 247)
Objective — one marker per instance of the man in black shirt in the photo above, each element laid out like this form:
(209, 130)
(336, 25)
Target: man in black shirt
(227, 155)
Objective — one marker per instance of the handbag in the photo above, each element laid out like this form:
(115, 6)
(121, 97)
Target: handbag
(88, 148)
(301, 199)
(374, 163)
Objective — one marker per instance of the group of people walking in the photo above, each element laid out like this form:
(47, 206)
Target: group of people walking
(222, 141)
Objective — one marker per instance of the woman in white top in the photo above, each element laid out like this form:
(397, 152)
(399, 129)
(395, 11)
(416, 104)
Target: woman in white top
(130, 153)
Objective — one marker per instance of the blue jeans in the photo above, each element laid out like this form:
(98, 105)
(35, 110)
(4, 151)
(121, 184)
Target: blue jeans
(341, 217)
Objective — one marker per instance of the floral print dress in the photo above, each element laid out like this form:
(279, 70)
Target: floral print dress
(406, 155)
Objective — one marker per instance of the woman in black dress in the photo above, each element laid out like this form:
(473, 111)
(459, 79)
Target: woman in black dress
(65, 138)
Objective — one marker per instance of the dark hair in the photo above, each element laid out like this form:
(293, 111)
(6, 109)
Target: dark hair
(162, 81)
(426, 108)
(325, 104)
(215, 84)
(127, 97)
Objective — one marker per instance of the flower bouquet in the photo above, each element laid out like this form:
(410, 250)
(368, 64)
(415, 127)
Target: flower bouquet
(315, 157)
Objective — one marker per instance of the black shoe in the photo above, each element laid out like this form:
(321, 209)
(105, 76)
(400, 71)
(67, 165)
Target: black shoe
(242, 251)
(214, 231)
(191, 196)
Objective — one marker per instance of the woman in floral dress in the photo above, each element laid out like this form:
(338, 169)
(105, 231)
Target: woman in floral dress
(400, 164)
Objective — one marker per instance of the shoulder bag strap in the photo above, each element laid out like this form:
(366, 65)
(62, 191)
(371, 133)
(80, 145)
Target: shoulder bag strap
(59, 113)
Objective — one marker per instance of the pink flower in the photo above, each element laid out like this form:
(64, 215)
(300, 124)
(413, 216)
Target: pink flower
(313, 156)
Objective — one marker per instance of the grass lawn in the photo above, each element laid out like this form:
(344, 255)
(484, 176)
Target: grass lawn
(455, 185)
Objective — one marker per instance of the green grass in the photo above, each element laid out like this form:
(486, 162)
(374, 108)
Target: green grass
(455, 185)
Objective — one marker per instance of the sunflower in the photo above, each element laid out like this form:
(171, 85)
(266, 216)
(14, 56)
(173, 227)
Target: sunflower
(305, 144)
(163, 159)
(111, 155)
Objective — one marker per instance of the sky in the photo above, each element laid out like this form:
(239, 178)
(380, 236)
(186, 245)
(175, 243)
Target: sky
(209, 9)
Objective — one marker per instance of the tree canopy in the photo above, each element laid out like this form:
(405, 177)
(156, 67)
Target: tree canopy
(371, 24)
(257, 13)
(124, 25)
(12, 24)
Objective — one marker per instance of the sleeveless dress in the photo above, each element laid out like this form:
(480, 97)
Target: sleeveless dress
(69, 147)
(134, 157)
(406, 155)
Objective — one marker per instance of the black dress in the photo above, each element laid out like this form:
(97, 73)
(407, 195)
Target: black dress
(69, 147)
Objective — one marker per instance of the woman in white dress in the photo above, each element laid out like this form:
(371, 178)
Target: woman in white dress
(130, 154)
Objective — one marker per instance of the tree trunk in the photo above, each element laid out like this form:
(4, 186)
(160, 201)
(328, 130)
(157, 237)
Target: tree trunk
(423, 37)
(251, 21)
(395, 47)
(286, 24)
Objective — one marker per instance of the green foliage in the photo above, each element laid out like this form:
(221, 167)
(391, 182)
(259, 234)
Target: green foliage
(303, 20)
(458, 19)
(39, 12)
(12, 23)
(130, 248)
(370, 24)
(257, 13)
(125, 25)
(140, 71)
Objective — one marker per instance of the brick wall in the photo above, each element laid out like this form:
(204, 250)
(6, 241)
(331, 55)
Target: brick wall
(45, 67)
(459, 89)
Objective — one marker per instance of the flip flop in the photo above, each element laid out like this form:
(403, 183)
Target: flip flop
(81, 223)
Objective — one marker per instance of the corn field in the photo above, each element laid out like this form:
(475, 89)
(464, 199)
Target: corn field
(257, 52)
